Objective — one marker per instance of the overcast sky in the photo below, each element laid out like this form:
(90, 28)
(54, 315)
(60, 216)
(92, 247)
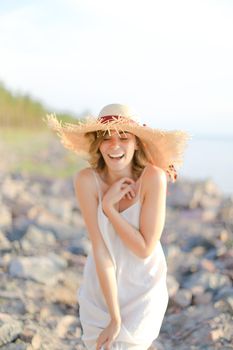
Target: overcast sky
(172, 61)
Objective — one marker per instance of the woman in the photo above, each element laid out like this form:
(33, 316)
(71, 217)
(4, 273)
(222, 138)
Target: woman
(122, 197)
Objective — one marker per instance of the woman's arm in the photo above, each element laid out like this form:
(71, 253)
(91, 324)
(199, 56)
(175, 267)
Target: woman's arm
(84, 185)
(152, 218)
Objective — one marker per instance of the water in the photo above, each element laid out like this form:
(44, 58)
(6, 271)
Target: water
(210, 157)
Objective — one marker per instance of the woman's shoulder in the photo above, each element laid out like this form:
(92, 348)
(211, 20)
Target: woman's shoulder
(152, 179)
(153, 172)
(84, 177)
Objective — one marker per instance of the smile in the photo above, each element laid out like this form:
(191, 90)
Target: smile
(116, 156)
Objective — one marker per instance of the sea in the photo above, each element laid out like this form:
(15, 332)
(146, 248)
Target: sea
(210, 157)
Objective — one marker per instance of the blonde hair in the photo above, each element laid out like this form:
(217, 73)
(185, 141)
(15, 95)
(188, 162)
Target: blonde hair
(96, 159)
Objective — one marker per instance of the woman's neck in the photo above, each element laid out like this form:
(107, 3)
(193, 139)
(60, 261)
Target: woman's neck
(111, 176)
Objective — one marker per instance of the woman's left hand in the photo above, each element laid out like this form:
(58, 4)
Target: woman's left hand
(108, 335)
(119, 189)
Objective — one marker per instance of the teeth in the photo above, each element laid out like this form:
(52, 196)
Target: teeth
(116, 155)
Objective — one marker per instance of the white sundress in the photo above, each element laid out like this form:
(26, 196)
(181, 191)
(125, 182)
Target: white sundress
(142, 288)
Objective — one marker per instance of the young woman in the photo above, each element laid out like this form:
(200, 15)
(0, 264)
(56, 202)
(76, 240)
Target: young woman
(122, 197)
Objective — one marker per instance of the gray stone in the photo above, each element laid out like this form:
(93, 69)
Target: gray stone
(5, 244)
(35, 237)
(172, 285)
(210, 280)
(42, 269)
(183, 297)
(5, 217)
(10, 331)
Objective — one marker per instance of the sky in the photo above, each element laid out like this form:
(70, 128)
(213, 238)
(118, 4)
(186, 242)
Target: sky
(171, 61)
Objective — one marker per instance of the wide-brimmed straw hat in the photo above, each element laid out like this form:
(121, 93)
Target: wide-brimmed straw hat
(163, 148)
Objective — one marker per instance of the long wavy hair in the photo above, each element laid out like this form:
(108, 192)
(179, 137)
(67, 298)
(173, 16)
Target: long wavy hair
(96, 159)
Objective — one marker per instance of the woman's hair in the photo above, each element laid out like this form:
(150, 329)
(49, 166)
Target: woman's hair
(96, 159)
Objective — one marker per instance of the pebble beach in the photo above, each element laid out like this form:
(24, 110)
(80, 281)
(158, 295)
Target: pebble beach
(44, 246)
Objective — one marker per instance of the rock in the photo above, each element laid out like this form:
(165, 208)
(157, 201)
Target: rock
(172, 285)
(67, 324)
(37, 342)
(42, 215)
(14, 346)
(18, 229)
(5, 244)
(41, 269)
(13, 306)
(187, 194)
(197, 241)
(225, 213)
(35, 238)
(203, 298)
(209, 280)
(62, 231)
(81, 246)
(183, 297)
(12, 187)
(5, 217)
(156, 345)
(10, 331)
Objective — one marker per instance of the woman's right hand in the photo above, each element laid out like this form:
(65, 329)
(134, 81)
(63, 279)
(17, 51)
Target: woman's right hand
(108, 335)
(119, 189)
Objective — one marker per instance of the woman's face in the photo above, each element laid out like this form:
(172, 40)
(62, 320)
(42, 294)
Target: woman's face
(118, 150)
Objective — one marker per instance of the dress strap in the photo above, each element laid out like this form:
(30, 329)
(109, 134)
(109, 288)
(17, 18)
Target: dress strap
(97, 185)
(140, 181)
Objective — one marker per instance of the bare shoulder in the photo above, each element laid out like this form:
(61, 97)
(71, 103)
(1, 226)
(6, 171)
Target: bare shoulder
(84, 176)
(154, 175)
(84, 181)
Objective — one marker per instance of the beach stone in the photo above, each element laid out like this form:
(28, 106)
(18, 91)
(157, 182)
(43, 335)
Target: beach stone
(223, 325)
(225, 213)
(172, 285)
(61, 230)
(223, 293)
(67, 324)
(37, 342)
(206, 279)
(18, 228)
(183, 297)
(203, 298)
(14, 346)
(61, 209)
(35, 237)
(198, 241)
(12, 187)
(41, 269)
(12, 306)
(207, 265)
(5, 244)
(81, 246)
(10, 331)
(156, 345)
(180, 195)
(5, 217)
(197, 249)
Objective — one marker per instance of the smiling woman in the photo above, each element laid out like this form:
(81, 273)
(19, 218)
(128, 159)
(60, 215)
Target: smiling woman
(122, 197)
(96, 155)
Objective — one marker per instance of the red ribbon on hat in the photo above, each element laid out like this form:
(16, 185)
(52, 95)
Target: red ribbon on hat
(107, 118)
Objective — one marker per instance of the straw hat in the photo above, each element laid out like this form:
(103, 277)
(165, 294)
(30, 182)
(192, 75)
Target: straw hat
(163, 148)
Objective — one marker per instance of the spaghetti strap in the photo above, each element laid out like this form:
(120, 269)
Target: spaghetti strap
(140, 181)
(97, 185)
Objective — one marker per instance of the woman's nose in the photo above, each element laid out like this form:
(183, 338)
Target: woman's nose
(114, 141)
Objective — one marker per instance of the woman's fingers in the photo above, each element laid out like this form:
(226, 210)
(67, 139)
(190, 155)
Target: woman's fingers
(129, 191)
